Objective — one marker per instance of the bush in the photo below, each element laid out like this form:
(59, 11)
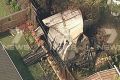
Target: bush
(115, 8)
(8, 2)
(17, 8)
(13, 3)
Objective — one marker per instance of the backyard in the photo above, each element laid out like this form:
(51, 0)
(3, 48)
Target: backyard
(16, 52)
(35, 72)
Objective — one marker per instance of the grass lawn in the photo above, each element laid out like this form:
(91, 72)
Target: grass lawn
(6, 38)
(22, 68)
(28, 73)
(4, 9)
(16, 55)
(36, 71)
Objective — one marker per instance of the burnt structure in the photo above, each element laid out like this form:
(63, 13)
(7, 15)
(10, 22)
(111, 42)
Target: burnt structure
(53, 58)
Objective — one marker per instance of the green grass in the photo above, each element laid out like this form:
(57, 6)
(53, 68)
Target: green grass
(22, 68)
(4, 9)
(115, 8)
(28, 73)
(16, 54)
(36, 71)
(23, 48)
(6, 38)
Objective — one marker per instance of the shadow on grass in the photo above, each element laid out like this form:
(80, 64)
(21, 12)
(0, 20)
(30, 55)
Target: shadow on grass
(22, 68)
(4, 34)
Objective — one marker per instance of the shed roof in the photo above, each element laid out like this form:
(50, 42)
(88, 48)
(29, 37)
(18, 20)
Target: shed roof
(67, 24)
(64, 26)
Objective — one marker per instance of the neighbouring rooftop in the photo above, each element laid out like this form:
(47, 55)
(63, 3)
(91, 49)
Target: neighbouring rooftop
(8, 71)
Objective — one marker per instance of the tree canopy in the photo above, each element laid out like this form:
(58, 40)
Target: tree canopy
(90, 8)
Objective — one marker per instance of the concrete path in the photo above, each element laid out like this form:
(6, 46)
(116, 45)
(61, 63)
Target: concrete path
(17, 37)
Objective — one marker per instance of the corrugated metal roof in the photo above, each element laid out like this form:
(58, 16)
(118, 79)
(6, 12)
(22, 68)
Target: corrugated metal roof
(8, 70)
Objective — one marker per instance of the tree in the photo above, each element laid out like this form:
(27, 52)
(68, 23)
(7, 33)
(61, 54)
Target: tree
(13, 3)
(89, 8)
(17, 8)
(54, 6)
(115, 8)
(8, 2)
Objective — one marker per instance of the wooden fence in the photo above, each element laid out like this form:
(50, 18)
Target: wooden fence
(23, 3)
(14, 19)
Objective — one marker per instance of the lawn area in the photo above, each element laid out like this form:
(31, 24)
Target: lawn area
(4, 9)
(22, 68)
(36, 71)
(6, 38)
(16, 53)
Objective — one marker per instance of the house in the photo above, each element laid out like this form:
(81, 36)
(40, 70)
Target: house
(64, 30)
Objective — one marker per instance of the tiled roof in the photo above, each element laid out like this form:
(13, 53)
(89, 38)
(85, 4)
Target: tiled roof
(110, 74)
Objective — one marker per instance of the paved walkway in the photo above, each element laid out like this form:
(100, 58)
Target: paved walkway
(17, 37)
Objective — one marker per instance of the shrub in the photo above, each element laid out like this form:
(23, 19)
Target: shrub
(17, 8)
(13, 3)
(8, 2)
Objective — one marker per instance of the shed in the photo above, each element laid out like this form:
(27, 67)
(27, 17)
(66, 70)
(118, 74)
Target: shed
(64, 27)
